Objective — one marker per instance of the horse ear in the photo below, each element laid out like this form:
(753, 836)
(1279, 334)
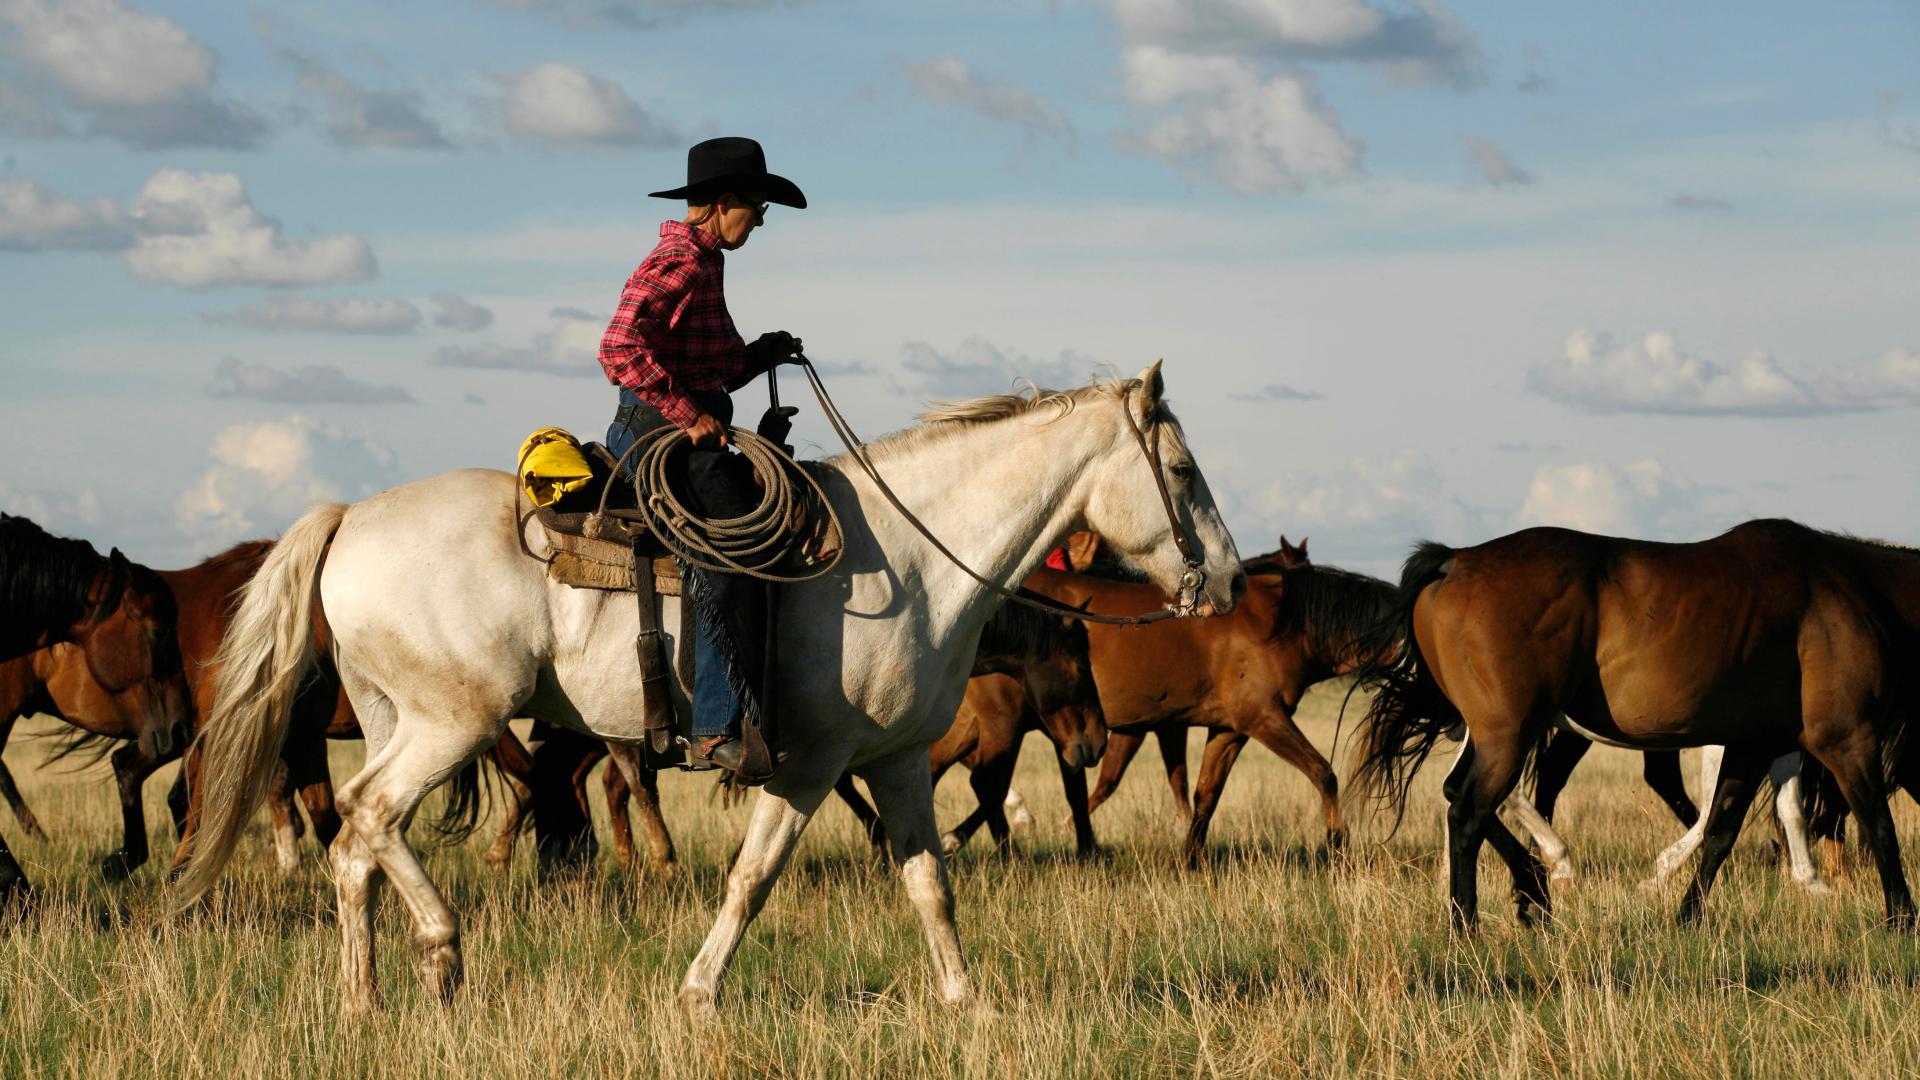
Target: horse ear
(1151, 385)
(1303, 547)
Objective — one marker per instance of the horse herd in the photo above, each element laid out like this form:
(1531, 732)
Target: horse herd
(418, 618)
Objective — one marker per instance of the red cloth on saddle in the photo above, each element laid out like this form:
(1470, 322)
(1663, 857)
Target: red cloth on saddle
(1057, 558)
(671, 333)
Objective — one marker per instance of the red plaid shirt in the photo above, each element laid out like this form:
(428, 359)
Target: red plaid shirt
(671, 333)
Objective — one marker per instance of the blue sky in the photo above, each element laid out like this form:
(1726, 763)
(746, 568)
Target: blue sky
(1415, 270)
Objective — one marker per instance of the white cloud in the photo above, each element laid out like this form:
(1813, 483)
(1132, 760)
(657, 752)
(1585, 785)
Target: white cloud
(947, 80)
(59, 510)
(1371, 509)
(1644, 499)
(1276, 392)
(35, 219)
(563, 107)
(1597, 374)
(310, 384)
(1412, 42)
(136, 76)
(347, 315)
(203, 231)
(457, 313)
(979, 367)
(1493, 164)
(569, 346)
(632, 14)
(265, 475)
(1219, 116)
(360, 118)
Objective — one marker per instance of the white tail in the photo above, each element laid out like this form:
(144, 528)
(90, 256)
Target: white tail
(263, 658)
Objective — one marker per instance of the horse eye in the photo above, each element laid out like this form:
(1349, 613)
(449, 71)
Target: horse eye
(1183, 472)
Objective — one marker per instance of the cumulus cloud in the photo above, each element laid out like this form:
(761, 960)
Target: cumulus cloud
(35, 219)
(359, 118)
(264, 475)
(570, 346)
(1221, 118)
(1276, 392)
(201, 230)
(1898, 130)
(565, 108)
(310, 384)
(1370, 509)
(1412, 42)
(1493, 164)
(979, 367)
(1598, 374)
(456, 313)
(341, 316)
(948, 81)
(1534, 83)
(59, 510)
(1644, 499)
(129, 74)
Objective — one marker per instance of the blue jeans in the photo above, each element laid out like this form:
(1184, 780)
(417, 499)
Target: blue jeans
(716, 489)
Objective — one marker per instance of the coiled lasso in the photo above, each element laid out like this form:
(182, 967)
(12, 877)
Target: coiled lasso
(768, 542)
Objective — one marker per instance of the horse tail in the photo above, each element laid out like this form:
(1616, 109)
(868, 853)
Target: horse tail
(264, 657)
(466, 800)
(1409, 713)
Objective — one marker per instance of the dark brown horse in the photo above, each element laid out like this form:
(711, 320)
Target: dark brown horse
(118, 614)
(1323, 611)
(1769, 638)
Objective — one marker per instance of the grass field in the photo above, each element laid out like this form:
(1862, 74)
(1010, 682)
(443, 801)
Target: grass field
(1265, 963)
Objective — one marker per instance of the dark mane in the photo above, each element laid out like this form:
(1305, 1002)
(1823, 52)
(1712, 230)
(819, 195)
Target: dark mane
(1017, 632)
(45, 581)
(240, 552)
(1331, 606)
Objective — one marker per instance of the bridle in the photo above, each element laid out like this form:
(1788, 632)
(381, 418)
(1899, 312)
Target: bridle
(1192, 581)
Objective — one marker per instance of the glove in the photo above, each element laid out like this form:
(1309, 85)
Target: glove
(774, 347)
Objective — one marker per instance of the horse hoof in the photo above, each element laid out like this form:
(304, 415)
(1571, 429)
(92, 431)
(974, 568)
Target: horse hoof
(118, 866)
(697, 1003)
(1816, 888)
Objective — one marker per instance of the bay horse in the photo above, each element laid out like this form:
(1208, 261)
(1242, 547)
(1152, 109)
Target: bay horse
(117, 614)
(1769, 638)
(444, 627)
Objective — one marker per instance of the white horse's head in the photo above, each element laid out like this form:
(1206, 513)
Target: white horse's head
(1125, 507)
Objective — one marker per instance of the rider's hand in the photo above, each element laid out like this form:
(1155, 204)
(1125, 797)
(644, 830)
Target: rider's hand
(775, 347)
(708, 433)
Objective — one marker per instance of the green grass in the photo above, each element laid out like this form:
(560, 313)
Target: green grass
(1266, 962)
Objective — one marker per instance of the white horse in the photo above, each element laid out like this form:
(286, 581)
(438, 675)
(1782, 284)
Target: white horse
(443, 629)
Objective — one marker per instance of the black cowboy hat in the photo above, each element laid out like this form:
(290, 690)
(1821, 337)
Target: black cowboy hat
(733, 165)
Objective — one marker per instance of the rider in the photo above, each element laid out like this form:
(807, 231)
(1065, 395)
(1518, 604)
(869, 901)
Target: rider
(673, 351)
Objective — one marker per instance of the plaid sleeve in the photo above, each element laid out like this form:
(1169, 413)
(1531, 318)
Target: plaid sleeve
(649, 305)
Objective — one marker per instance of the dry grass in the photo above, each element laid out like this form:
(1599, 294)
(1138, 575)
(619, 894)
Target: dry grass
(1266, 963)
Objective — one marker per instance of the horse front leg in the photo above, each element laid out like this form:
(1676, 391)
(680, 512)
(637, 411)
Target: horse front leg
(132, 764)
(12, 794)
(780, 815)
(902, 790)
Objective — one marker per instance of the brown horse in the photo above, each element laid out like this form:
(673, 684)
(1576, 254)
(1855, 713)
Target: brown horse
(1309, 634)
(1769, 638)
(117, 614)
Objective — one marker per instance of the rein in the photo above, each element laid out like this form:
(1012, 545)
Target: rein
(1191, 582)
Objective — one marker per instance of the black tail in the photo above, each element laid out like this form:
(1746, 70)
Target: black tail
(465, 802)
(1409, 713)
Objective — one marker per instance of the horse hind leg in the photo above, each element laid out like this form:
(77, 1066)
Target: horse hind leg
(1740, 773)
(376, 807)
(1485, 773)
(1785, 773)
(1676, 853)
(643, 786)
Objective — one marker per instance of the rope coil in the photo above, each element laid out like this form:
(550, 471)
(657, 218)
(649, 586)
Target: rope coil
(767, 542)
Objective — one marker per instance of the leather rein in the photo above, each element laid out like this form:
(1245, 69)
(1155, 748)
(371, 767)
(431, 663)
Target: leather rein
(1192, 581)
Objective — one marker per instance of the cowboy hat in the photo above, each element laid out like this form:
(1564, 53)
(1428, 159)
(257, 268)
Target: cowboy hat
(733, 165)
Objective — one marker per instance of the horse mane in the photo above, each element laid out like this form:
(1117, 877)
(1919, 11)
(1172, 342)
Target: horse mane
(946, 418)
(1330, 605)
(1016, 631)
(240, 552)
(45, 579)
